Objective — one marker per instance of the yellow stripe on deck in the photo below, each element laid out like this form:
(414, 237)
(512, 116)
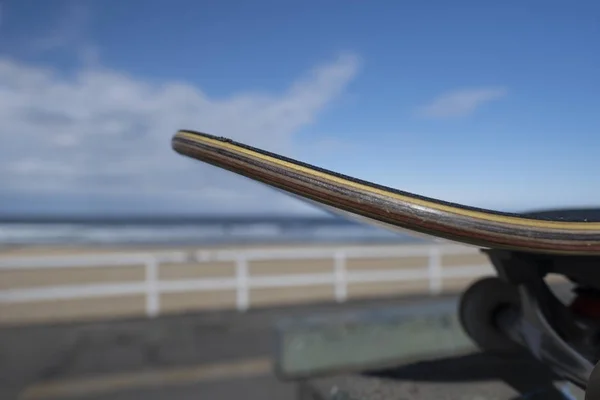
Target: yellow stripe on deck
(515, 220)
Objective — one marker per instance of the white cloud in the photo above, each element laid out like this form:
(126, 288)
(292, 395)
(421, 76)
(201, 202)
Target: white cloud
(461, 102)
(103, 131)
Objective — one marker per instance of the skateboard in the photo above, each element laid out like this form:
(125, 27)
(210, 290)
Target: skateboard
(504, 314)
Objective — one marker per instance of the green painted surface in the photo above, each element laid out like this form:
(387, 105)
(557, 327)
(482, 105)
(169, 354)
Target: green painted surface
(368, 340)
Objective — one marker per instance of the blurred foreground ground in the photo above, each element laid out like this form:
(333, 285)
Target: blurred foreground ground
(223, 355)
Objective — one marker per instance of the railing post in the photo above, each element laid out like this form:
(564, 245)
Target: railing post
(434, 271)
(241, 273)
(152, 294)
(340, 282)
(202, 256)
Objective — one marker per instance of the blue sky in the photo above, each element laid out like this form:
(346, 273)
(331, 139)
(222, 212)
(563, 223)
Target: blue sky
(494, 104)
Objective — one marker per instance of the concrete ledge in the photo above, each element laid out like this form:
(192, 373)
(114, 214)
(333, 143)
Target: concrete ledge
(367, 339)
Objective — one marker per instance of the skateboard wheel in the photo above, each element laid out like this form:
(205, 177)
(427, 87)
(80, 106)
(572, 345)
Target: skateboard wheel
(592, 391)
(478, 307)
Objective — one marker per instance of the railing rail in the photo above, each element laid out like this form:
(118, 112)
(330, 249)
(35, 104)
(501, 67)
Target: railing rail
(242, 282)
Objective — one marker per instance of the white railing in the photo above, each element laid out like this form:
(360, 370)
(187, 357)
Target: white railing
(152, 287)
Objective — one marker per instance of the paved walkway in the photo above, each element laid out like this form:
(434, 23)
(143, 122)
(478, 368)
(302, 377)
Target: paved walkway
(202, 356)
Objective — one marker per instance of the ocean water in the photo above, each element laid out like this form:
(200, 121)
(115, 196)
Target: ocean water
(121, 231)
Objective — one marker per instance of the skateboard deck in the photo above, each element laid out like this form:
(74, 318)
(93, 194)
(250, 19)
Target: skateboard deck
(575, 233)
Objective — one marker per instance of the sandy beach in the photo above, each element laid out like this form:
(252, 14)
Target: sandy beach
(273, 269)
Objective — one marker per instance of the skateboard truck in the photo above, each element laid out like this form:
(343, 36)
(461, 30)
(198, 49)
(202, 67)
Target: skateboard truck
(518, 308)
